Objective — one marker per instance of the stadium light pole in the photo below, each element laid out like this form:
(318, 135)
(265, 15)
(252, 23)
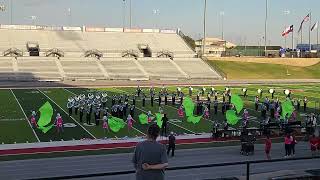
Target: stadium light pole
(222, 29)
(130, 12)
(204, 27)
(69, 17)
(123, 13)
(156, 12)
(33, 19)
(265, 29)
(11, 12)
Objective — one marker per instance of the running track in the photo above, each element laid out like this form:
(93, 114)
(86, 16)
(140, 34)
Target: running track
(26, 169)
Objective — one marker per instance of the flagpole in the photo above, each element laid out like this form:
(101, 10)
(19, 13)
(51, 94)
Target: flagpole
(318, 35)
(292, 43)
(310, 32)
(301, 33)
(285, 42)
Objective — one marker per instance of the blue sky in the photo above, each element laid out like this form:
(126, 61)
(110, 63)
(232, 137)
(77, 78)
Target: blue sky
(243, 19)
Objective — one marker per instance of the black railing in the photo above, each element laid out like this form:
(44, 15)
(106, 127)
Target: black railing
(247, 163)
(180, 33)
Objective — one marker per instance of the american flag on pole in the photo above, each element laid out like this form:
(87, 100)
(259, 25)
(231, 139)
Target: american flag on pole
(305, 19)
(287, 30)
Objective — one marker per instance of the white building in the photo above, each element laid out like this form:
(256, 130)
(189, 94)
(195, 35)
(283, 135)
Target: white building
(214, 47)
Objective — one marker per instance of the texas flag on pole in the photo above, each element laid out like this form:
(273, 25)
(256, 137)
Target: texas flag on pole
(287, 30)
(305, 19)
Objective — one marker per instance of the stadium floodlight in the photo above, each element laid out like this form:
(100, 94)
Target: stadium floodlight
(2, 8)
(286, 12)
(33, 19)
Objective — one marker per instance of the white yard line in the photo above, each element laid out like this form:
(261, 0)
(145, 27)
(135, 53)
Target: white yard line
(35, 134)
(67, 114)
(13, 120)
(115, 136)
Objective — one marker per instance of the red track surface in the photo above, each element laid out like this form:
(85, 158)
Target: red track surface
(98, 146)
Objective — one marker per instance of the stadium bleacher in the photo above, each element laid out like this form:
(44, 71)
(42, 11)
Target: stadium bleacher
(121, 55)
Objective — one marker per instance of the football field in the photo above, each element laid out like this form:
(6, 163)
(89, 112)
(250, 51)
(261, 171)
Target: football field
(16, 106)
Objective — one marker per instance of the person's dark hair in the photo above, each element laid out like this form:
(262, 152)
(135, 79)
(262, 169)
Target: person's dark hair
(153, 131)
(268, 137)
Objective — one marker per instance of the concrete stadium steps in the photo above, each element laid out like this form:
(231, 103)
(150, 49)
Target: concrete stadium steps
(34, 68)
(184, 54)
(107, 42)
(19, 38)
(112, 40)
(6, 65)
(159, 68)
(196, 68)
(123, 68)
(81, 68)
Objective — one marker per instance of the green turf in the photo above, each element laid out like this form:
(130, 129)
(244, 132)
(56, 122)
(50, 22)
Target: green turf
(14, 126)
(245, 70)
(32, 99)
(60, 96)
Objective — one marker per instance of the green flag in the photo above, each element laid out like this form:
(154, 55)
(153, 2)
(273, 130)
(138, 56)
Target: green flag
(116, 124)
(143, 118)
(232, 117)
(46, 112)
(159, 119)
(237, 102)
(46, 129)
(188, 106)
(287, 109)
(194, 119)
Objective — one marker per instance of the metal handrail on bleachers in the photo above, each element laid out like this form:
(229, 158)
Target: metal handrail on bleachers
(55, 51)
(13, 51)
(247, 163)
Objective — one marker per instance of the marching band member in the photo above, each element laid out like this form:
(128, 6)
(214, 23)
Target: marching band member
(33, 119)
(105, 124)
(59, 123)
(70, 105)
(180, 112)
(149, 114)
(206, 112)
(245, 118)
(76, 105)
(130, 121)
(81, 113)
